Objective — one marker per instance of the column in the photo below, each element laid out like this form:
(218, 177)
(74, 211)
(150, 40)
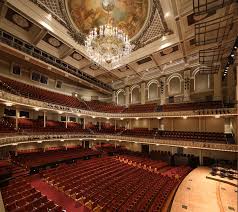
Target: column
(186, 91)
(172, 124)
(163, 90)
(115, 145)
(217, 95)
(100, 124)
(115, 124)
(199, 124)
(127, 99)
(44, 114)
(230, 85)
(114, 96)
(142, 93)
(84, 122)
(66, 122)
(200, 158)
(237, 80)
(17, 116)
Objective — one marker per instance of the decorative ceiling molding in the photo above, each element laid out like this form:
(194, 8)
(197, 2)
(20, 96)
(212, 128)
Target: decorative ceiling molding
(154, 28)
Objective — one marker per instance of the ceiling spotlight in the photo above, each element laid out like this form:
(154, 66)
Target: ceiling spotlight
(159, 117)
(232, 55)
(60, 112)
(108, 118)
(217, 116)
(137, 118)
(185, 117)
(93, 117)
(235, 47)
(121, 118)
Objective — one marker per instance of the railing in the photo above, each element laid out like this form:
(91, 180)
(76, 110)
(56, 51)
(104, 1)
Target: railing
(15, 99)
(29, 138)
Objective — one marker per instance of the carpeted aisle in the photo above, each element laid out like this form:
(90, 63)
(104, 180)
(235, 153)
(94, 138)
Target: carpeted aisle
(58, 197)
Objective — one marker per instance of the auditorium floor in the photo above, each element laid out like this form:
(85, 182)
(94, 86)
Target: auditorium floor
(58, 197)
(197, 193)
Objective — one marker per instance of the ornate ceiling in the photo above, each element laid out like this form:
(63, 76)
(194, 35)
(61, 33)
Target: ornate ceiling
(142, 20)
(168, 36)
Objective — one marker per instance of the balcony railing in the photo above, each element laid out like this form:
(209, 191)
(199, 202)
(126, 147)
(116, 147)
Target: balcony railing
(30, 138)
(20, 100)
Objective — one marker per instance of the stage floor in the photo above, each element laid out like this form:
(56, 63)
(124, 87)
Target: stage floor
(198, 194)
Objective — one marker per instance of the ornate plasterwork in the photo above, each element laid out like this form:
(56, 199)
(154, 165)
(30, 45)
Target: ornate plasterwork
(154, 28)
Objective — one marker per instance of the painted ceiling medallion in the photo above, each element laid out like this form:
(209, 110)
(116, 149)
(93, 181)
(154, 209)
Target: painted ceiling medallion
(77, 56)
(20, 21)
(54, 42)
(129, 16)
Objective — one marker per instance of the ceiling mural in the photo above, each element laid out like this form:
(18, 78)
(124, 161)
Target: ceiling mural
(142, 20)
(130, 16)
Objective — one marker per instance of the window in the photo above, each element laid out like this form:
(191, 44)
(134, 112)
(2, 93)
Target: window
(16, 69)
(9, 112)
(24, 114)
(35, 76)
(58, 84)
(72, 119)
(63, 118)
(44, 79)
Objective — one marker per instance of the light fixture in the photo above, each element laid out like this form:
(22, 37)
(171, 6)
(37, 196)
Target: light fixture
(60, 112)
(159, 118)
(185, 117)
(62, 140)
(8, 104)
(157, 144)
(137, 118)
(121, 118)
(107, 45)
(108, 118)
(36, 108)
(93, 117)
(217, 116)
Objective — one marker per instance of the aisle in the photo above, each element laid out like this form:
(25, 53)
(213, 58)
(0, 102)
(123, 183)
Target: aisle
(58, 197)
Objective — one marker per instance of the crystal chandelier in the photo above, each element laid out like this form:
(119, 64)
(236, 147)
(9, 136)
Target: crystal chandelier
(107, 45)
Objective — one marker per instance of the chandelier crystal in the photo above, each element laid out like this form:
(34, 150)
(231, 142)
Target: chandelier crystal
(107, 45)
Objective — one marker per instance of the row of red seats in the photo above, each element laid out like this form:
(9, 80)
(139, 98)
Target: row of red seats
(35, 159)
(190, 106)
(99, 183)
(95, 105)
(36, 93)
(141, 108)
(19, 196)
